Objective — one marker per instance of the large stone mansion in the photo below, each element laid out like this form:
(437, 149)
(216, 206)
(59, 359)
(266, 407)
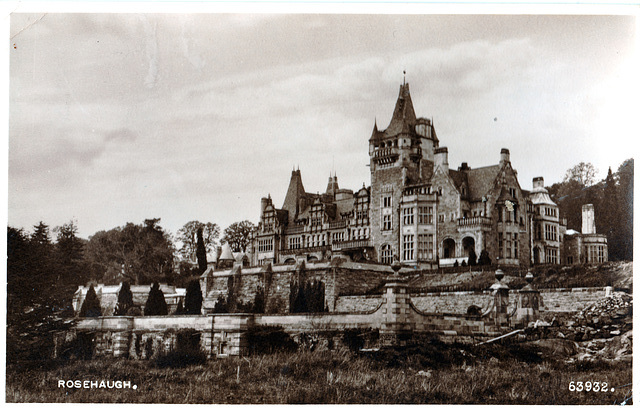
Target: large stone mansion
(421, 211)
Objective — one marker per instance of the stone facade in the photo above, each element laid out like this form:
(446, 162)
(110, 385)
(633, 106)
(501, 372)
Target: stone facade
(416, 209)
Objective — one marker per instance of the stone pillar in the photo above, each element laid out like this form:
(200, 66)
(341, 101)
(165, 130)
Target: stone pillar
(396, 325)
(122, 337)
(528, 307)
(500, 300)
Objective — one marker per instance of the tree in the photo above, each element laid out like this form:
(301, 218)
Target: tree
(72, 267)
(125, 300)
(625, 183)
(583, 173)
(155, 305)
(193, 298)
(201, 252)
(473, 261)
(91, 305)
(137, 253)
(484, 258)
(38, 303)
(179, 308)
(238, 235)
(187, 238)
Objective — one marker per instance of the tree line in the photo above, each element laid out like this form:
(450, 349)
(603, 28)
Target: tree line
(46, 266)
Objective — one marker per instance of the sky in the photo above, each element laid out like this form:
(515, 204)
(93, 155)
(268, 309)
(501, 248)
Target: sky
(117, 118)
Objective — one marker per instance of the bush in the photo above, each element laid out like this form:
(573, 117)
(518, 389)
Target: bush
(91, 305)
(156, 305)
(267, 340)
(125, 300)
(179, 359)
(193, 298)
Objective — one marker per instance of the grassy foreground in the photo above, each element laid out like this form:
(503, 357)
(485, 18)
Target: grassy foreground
(336, 377)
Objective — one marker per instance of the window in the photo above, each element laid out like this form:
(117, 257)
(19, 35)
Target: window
(386, 201)
(407, 247)
(295, 243)
(441, 218)
(425, 247)
(407, 216)
(512, 192)
(550, 232)
(508, 245)
(552, 255)
(386, 221)
(337, 237)
(425, 215)
(499, 214)
(500, 244)
(515, 245)
(265, 245)
(268, 221)
(386, 254)
(601, 257)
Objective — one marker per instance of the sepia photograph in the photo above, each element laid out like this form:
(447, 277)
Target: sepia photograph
(262, 203)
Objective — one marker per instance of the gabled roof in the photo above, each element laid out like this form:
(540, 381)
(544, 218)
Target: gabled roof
(457, 177)
(480, 181)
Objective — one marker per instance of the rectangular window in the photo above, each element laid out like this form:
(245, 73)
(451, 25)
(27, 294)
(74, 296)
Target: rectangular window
(425, 247)
(508, 245)
(265, 245)
(386, 221)
(515, 246)
(500, 244)
(601, 257)
(407, 247)
(552, 255)
(407, 216)
(425, 215)
(386, 201)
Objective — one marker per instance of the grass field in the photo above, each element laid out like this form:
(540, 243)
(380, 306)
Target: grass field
(434, 374)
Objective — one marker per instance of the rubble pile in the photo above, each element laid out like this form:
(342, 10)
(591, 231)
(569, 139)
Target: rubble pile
(605, 318)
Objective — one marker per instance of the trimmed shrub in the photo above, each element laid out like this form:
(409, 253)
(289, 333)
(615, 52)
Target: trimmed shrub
(156, 305)
(125, 300)
(91, 305)
(193, 299)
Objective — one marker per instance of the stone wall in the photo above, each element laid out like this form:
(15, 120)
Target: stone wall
(339, 278)
(554, 300)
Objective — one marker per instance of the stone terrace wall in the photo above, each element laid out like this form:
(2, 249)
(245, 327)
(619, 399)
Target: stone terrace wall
(343, 278)
(554, 300)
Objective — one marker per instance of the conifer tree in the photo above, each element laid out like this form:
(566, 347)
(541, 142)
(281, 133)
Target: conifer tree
(179, 308)
(201, 252)
(193, 298)
(91, 305)
(472, 257)
(125, 300)
(155, 305)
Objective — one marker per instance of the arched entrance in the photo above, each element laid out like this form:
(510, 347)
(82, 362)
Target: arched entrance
(468, 243)
(289, 261)
(448, 248)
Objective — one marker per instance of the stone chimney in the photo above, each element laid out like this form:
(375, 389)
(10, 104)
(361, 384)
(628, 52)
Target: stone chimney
(442, 159)
(504, 156)
(538, 182)
(588, 219)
